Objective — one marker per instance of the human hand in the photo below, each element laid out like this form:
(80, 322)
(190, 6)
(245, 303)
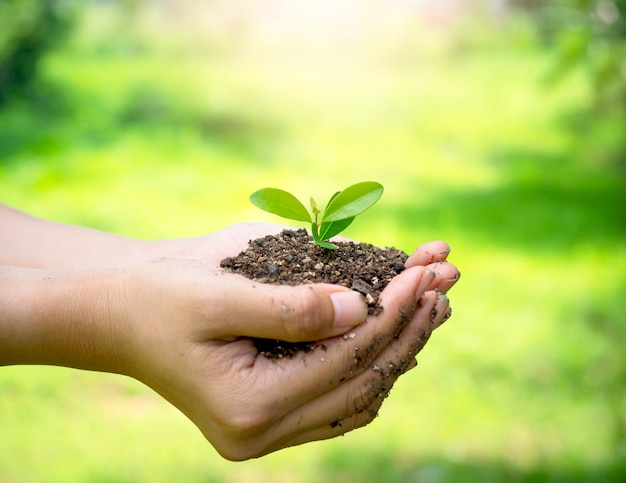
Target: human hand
(190, 326)
(164, 313)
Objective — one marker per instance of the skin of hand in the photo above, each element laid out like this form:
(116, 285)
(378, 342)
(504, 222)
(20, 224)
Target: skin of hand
(167, 315)
(247, 405)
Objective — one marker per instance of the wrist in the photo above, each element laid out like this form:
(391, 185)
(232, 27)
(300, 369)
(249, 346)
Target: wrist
(60, 317)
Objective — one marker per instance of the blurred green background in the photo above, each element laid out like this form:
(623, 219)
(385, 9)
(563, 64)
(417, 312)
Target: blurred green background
(498, 126)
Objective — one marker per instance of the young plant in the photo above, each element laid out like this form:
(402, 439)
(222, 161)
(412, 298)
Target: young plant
(340, 211)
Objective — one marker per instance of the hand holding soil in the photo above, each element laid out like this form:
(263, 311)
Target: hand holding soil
(198, 338)
(165, 313)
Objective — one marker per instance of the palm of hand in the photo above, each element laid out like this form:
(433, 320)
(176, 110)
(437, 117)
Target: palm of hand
(247, 405)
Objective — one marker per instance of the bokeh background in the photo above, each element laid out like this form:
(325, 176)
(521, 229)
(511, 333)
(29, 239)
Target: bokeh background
(498, 126)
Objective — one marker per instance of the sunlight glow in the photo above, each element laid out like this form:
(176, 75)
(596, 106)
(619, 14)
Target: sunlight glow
(318, 28)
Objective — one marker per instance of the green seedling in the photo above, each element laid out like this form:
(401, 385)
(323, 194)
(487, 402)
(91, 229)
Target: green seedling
(340, 211)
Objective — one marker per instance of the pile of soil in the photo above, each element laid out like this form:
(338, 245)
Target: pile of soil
(291, 258)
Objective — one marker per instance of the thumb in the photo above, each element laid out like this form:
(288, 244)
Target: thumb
(290, 313)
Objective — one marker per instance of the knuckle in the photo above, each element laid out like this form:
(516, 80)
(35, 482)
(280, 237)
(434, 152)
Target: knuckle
(247, 425)
(368, 415)
(360, 419)
(368, 394)
(242, 435)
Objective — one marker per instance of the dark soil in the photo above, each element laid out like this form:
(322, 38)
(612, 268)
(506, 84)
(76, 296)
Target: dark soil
(291, 258)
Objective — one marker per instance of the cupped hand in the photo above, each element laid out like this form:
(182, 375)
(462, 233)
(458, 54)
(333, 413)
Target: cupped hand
(189, 326)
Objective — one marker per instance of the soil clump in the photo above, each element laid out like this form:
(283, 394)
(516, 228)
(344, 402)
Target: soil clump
(291, 258)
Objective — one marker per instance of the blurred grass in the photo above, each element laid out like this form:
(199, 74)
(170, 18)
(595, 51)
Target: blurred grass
(166, 135)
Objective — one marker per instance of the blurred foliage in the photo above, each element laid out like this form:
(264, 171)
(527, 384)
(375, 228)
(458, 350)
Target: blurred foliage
(28, 30)
(157, 119)
(590, 35)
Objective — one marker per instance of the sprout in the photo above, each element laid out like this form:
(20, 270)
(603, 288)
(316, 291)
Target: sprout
(340, 211)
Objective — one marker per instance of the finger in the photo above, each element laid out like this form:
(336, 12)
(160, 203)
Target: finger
(329, 429)
(327, 425)
(336, 360)
(310, 377)
(379, 375)
(340, 383)
(356, 402)
(447, 275)
(293, 314)
(434, 310)
(427, 253)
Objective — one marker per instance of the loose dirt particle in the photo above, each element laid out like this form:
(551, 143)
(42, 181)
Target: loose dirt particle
(291, 258)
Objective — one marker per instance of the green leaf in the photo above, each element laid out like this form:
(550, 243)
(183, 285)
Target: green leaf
(319, 241)
(325, 244)
(353, 201)
(331, 228)
(332, 198)
(281, 203)
(314, 209)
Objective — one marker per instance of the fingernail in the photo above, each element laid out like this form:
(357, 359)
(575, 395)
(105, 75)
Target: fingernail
(439, 317)
(456, 277)
(425, 282)
(350, 309)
